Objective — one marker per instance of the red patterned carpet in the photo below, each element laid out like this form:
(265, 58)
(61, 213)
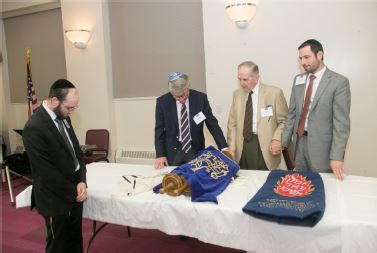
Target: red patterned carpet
(22, 231)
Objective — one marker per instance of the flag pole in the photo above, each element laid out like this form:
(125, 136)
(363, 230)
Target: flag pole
(31, 95)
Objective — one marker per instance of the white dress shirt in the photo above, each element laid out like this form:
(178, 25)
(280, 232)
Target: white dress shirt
(254, 98)
(53, 117)
(316, 82)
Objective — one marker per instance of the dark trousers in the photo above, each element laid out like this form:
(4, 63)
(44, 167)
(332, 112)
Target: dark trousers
(251, 157)
(64, 233)
(181, 157)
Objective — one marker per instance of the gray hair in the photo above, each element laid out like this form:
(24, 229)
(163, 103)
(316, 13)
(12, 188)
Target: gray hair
(251, 65)
(177, 86)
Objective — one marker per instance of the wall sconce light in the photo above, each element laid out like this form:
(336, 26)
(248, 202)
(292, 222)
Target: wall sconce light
(241, 12)
(79, 37)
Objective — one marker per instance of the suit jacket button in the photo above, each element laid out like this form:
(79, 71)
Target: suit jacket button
(175, 148)
(176, 137)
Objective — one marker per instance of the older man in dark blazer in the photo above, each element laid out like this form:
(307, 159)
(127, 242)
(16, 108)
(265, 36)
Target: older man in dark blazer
(180, 117)
(58, 170)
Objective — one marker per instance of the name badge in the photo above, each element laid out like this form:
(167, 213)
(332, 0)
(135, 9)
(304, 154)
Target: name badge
(300, 80)
(198, 118)
(267, 111)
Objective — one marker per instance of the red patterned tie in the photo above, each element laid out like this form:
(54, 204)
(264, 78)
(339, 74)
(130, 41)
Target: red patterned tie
(305, 110)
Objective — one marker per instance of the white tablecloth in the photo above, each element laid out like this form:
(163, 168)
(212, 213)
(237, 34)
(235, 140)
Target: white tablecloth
(349, 223)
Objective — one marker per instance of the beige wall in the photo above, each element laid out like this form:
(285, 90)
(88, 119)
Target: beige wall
(12, 115)
(345, 28)
(11, 5)
(24, 32)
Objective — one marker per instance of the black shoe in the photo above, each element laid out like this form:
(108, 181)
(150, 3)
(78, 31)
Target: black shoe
(183, 237)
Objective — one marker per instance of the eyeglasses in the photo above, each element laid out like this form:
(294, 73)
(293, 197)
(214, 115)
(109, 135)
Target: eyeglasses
(183, 96)
(70, 108)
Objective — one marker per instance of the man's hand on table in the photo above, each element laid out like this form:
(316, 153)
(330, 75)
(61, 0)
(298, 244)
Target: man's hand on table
(160, 162)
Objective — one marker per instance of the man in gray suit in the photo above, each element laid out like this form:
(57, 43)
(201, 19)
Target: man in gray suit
(318, 114)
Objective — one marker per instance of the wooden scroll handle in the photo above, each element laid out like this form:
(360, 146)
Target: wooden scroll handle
(288, 161)
(166, 188)
(180, 190)
(175, 185)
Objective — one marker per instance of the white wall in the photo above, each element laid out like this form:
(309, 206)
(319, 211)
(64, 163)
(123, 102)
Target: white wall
(345, 28)
(89, 69)
(135, 123)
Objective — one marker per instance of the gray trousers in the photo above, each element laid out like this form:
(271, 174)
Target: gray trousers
(302, 158)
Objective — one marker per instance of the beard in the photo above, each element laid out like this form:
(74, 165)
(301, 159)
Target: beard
(59, 113)
(312, 67)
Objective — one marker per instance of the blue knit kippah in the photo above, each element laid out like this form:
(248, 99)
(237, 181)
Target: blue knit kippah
(174, 76)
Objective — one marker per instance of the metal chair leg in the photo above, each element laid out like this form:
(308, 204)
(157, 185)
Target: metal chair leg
(9, 185)
(3, 175)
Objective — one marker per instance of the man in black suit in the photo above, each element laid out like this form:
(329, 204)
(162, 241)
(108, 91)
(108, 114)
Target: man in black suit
(58, 170)
(180, 116)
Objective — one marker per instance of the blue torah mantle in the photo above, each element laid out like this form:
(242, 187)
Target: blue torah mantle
(208, 174)
(289, 197)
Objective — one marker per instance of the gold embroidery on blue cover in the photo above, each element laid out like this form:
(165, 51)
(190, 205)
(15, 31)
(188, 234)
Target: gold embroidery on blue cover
(214, 165)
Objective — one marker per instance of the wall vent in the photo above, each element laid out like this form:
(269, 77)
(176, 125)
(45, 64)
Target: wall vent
(124, 155)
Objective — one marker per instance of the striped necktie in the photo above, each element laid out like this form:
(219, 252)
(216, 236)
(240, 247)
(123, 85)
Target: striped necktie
(66, 140)
(185, 130)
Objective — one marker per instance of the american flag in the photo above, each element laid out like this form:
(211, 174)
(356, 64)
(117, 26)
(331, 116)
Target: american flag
(31, 96)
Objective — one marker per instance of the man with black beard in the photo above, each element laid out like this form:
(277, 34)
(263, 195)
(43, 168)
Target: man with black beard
(58, 170)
